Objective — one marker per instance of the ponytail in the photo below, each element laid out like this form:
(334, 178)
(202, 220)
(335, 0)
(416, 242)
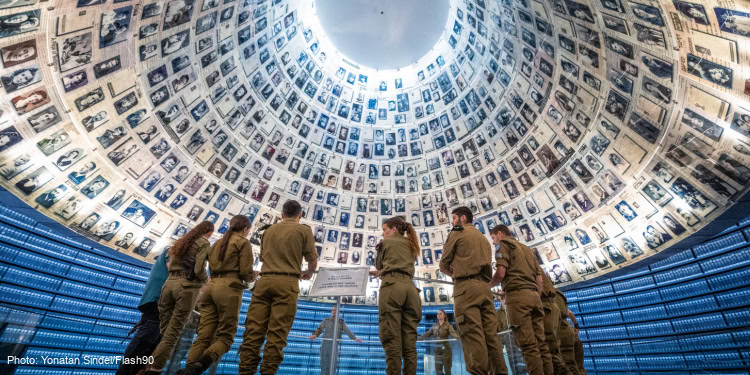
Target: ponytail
(407, 229)
(182, 245)
(237, 224)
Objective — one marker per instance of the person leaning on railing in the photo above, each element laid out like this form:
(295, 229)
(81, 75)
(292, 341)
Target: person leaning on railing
(230, 264)
(467, 258)
(187, 275)
(442, 330)
(325, 332)
(399, 305)
(521, 278)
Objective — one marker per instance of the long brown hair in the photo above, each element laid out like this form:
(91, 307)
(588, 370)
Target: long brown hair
(237, 224)
(405, 228)
(182, 245)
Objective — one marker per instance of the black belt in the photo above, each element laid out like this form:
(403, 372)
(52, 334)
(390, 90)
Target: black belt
(398, 273)
(472, 277)
(280, 274)
(179, 273)
(218, 275)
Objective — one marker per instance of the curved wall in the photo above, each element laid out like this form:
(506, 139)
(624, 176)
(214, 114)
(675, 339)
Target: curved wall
(688, 313)
(602, 132)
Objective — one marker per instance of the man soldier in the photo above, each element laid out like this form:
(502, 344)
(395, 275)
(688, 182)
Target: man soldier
(274, 302)
(578, 347)
(551, 328)
(515, 356)
(326, 328)
(467, 258)
(521, 278)
(567, 335)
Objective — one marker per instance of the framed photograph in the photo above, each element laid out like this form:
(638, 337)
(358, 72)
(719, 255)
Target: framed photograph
(732, 21)
(114, 26)
(44, 119)
(138, 213)
(19, 23)
(18, 53)
(75, 51)
(34, 181)
(710, 71)
(89, 99)
(21, 78)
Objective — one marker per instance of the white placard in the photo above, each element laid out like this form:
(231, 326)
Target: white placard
(333, 282)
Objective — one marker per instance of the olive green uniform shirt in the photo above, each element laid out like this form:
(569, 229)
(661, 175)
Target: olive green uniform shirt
(468, 253)
(238, 257)
(194, 259)
(395, 255)
(283, 246)
(441, 332)
(521, 266)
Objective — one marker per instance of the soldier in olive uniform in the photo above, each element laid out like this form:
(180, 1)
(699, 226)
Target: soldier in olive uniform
(521, 278)
(187, 274)
(513, 351)
(326, 328)
(566, 334)
(230, 263)
(552, 328)
(274, 302)
(399, 305)
(442, 330)
(578, 344)
(467, 258)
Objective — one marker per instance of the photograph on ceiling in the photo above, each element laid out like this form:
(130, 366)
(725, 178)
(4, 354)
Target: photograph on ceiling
(34, 180)
(114, 26)
(18, 53)
(52, 196)
(733, 21)
(713, 72)
(138, 213)
(19, 23)
(44, 119)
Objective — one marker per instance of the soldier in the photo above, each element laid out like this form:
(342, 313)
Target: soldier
(442, 330)
(230, 263)
(521, 278)
(147, 335)
(187, 274)
(326, 347)
(399, 304)
(551, 328)
(467, 258)
(567, 335)
(274, 302)
(515, 356)
(578, 347)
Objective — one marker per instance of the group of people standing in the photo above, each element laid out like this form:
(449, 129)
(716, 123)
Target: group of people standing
(178, 281)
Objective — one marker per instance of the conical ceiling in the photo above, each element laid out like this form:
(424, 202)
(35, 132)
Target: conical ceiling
(601, 132)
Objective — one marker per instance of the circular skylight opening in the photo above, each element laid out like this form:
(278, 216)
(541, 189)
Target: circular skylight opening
(383, 34)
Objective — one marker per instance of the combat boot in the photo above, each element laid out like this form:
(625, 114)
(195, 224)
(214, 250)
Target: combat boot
(197, 368)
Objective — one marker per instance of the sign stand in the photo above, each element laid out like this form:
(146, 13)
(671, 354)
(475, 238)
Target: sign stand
(337, 282)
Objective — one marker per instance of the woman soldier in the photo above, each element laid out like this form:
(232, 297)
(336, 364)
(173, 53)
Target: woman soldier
(187, 275)
(442, 330)
(230, 262)
(399, 304)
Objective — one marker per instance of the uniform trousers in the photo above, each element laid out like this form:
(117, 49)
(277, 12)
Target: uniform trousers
(552, 339)
(443, 360)
(178, 298)
(477, 322)
(270, 316)
(326, 351)
(400, 310)
(220, 311)
(567, 346)
(526, 317)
